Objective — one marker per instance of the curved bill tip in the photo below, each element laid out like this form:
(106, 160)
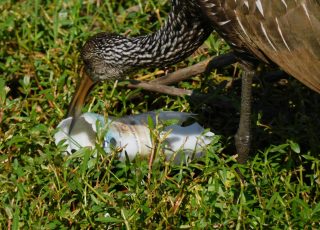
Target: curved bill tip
(83, 89)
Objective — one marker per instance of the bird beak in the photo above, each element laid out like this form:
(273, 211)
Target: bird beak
(83, 89)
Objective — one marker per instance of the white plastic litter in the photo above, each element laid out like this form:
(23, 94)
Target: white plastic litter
(131, 134)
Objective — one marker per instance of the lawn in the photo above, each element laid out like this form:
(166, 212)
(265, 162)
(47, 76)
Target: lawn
(41, 188)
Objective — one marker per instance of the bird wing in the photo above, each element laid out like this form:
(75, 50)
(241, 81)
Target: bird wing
(285, 31)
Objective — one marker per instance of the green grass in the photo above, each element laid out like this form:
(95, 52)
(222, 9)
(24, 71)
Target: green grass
(42, 189)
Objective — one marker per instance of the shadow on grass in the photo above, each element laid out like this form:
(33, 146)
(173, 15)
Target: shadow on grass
(282, 109)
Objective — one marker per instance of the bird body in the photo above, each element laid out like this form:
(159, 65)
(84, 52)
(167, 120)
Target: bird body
(285, 32)
(281, 32)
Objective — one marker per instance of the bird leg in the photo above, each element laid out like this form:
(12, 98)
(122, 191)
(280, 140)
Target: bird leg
(243, 135)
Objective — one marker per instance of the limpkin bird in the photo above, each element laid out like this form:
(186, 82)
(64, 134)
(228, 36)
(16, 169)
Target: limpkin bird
(282, 32)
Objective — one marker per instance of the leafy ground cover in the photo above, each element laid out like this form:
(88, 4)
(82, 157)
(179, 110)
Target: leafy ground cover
(42, 189)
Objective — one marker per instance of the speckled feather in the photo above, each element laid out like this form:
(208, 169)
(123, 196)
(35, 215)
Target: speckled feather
(284, 32)
(110, 56)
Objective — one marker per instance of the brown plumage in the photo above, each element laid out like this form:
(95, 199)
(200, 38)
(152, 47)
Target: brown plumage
(286, 32)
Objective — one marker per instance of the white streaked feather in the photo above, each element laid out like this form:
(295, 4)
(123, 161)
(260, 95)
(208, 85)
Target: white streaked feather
(266, 36)
(259, 6)
(282, 37)
(224, 22)
(241, 26)
(306, 10)
(284, 3)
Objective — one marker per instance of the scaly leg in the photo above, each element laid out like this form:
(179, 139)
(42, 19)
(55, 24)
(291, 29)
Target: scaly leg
(243, 135)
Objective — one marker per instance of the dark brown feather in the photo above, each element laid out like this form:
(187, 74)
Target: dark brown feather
(287, 32)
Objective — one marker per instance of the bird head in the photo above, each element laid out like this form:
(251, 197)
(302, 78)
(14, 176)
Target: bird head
(103, 59)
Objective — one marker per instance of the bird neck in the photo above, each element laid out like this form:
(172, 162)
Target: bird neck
(183, 32)
(109, 56)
